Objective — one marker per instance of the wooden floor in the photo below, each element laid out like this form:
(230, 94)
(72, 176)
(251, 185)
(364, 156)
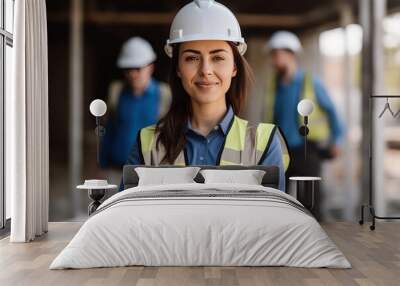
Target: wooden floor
(375, 257)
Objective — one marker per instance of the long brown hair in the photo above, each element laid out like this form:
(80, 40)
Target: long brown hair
(171, 127)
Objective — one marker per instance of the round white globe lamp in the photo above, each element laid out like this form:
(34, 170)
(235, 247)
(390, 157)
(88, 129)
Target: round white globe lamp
(98, 107)
(305, 107)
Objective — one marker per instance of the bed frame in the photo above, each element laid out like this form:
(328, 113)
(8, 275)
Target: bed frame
(270, 179)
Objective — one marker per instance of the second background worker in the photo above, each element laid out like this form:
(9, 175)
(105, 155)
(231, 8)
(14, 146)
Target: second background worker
(290, 84)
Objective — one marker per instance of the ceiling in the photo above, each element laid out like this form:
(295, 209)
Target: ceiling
(254, 14)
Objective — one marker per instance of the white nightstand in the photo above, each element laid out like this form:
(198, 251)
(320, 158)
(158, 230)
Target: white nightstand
(96, 191)
(305, 190)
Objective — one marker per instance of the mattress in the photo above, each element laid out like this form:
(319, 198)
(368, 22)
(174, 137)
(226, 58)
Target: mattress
(201, 225)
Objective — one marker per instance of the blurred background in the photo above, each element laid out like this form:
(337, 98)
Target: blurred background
(353, 46)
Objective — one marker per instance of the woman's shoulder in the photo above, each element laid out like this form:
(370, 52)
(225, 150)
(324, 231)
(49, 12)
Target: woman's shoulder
(147, 131)
(150, 127)
(262, 125)
(150, 130)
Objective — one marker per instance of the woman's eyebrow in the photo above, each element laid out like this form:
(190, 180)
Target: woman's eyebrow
(191, 51)
(198, 52)
(217, 51)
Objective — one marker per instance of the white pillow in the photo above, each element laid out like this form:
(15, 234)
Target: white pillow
(163, 176)
(248, 177)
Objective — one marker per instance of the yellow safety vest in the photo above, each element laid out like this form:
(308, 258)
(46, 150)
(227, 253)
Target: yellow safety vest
(319, 129)
(243, 145)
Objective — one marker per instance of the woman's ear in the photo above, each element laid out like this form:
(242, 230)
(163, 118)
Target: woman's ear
(151, 68)
(234, 72)
(178, 73)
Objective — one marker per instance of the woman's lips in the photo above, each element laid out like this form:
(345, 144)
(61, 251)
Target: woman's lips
(206, 84)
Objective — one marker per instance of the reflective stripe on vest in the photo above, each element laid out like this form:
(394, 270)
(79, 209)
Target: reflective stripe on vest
(152, 155)
(232, 153)
(264, 136)
(243, 145)
(318, 122)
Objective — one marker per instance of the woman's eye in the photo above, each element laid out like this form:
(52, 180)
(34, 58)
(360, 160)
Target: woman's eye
(191, 58)
(218, 58)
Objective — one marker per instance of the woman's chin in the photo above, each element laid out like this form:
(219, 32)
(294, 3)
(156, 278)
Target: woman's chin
(205, 98)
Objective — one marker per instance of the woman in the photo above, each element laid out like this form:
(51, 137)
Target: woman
(209, 79)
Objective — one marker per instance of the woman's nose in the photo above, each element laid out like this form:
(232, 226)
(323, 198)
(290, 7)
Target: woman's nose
(206, 67)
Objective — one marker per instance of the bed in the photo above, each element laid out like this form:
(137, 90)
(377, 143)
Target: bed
(197, 224)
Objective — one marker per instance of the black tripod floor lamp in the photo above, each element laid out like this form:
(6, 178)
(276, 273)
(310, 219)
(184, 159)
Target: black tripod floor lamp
(370, 205)
(97, 188)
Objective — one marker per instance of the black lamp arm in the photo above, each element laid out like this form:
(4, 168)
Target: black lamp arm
(100, 131)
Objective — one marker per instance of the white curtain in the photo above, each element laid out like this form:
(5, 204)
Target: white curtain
(27, 143)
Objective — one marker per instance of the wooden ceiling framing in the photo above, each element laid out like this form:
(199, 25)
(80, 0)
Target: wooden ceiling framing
(288, 14)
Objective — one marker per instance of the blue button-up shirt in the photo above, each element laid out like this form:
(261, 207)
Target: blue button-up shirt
(285, 110)
(132, 113)
(204, 150)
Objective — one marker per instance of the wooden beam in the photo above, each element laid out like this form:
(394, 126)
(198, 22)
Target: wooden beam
(76, 99)
(131, 18)
(377, 127)
(165, 18)
(265, 20)
(146, 18)
(321, 13)
(350, 204)
(367, 78)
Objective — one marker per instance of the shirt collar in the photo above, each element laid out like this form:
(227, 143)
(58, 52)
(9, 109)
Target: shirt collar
(297, 77)
(149, 88)
(226, 121)
(223, 125)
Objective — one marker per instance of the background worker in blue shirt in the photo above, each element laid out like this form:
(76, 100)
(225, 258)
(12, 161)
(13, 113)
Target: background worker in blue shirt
(288, 86)
(134, 102)
(209, 79)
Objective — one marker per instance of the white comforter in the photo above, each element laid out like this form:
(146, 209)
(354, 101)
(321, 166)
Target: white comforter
(201, 230)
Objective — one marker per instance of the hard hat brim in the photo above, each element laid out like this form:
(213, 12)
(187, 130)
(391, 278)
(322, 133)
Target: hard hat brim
(168, 48)
(129, 64)
(268, 49)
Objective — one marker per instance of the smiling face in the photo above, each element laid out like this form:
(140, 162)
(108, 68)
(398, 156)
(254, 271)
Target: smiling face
(139, 78)
(206, 69)
(281, 59)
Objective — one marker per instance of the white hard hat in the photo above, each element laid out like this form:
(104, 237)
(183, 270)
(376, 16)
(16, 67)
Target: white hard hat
(205, 20)
(136, 53)
(284, 40)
